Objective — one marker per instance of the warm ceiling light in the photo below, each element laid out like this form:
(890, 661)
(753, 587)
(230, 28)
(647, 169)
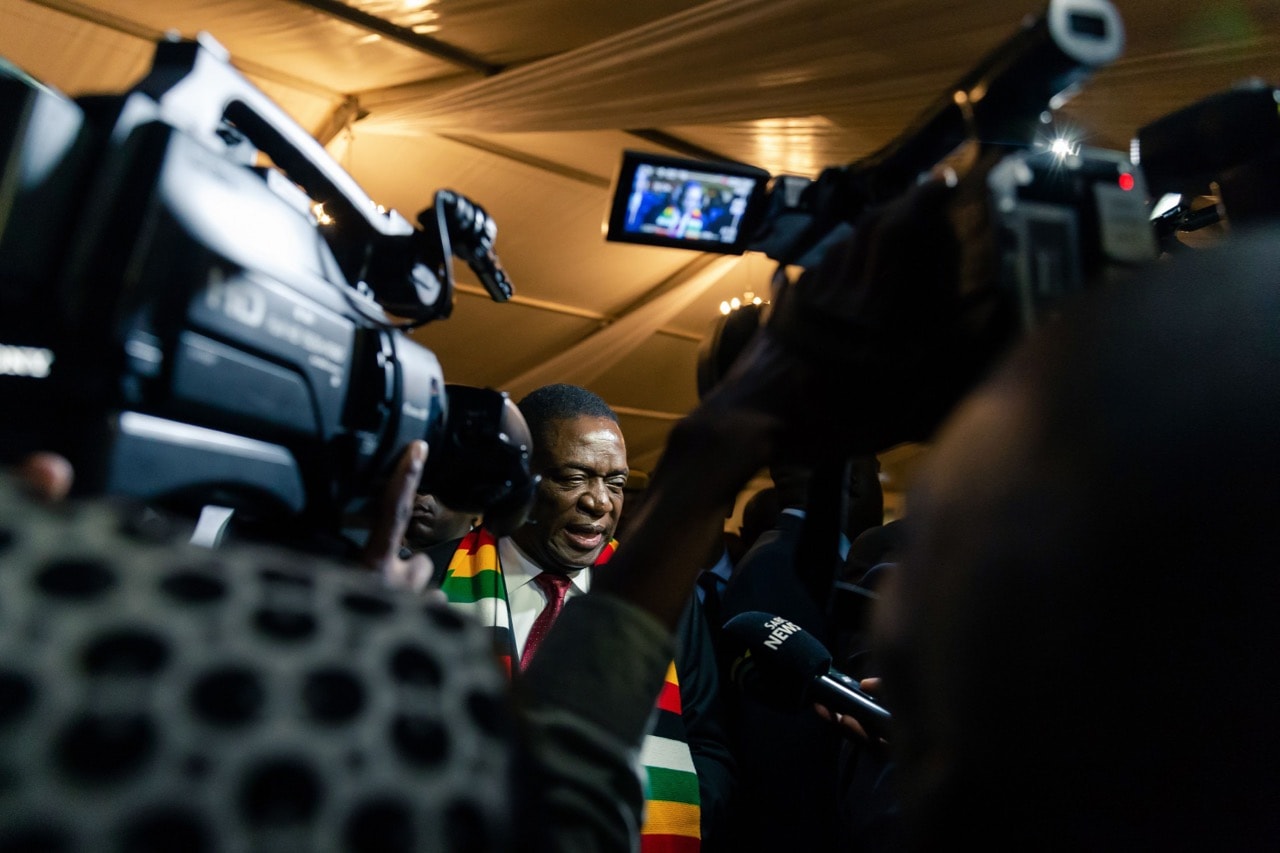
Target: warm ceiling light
(748, 298)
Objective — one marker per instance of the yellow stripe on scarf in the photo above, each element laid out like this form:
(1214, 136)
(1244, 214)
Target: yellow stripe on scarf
(667, 818)
(466, 564)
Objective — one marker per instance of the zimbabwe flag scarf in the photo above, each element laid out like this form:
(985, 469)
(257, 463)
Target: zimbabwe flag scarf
(672, 822)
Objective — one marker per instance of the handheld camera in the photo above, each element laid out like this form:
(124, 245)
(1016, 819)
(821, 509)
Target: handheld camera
(1084, 205)
(196, 307)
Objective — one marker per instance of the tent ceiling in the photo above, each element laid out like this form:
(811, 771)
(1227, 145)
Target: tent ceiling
(526, 107)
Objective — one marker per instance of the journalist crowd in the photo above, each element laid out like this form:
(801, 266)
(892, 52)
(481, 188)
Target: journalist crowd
(1072, 626)
(1069, 640)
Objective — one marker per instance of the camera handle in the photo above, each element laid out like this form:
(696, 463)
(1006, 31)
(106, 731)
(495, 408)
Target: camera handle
(408, 270)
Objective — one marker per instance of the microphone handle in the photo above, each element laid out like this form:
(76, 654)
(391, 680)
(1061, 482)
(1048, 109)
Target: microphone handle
(841, 694)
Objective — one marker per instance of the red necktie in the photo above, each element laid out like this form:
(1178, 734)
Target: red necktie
(555, 586)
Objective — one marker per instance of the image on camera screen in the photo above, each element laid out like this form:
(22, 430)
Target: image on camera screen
(684, 204)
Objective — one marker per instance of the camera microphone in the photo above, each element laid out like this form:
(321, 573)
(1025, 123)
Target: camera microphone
(781, 665)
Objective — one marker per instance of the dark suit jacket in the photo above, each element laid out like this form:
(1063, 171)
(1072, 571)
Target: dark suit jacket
(765, 580)
(703, 715)
(787, 762)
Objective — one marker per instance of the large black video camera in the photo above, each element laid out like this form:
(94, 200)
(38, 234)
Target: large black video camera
(1082, 206)
(199, 306)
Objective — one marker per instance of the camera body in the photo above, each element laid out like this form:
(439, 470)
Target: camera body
(1065, 219)
(194, 307)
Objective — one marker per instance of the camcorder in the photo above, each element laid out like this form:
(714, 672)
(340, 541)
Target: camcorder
(199, 306)
(1062, 213)
(1066, 214)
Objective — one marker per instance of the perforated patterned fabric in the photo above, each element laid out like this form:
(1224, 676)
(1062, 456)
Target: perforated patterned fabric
(157, 696)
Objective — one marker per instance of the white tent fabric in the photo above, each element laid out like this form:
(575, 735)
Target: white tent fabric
(586, 361)
(722, 61)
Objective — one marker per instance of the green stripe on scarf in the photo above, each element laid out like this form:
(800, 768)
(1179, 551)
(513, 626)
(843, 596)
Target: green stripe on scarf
(675, 785)
(474, 583)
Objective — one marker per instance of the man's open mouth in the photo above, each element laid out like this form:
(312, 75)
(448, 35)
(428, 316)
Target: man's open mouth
(584, 536)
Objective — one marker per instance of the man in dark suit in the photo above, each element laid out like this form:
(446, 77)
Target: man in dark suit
(771, 744)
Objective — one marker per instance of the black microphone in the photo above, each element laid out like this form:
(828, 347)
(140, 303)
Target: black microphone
(778, 663)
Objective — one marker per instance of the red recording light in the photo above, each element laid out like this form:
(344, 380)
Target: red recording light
(1126, 182)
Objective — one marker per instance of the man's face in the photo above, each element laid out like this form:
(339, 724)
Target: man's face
(583, 468)
(692, 198)
(433, 522)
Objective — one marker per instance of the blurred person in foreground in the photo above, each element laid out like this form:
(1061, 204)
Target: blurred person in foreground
(1080, 641)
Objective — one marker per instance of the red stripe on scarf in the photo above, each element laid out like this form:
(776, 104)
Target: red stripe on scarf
(669, 698)
(606, 553)
(669, 844)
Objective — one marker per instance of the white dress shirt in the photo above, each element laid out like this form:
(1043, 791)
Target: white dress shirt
(525, 599)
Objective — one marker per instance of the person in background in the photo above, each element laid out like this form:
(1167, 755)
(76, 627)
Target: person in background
(770, 743)
(683, 217)
(433, 523)
(435, 530)
(759, 513)
(633, 495)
